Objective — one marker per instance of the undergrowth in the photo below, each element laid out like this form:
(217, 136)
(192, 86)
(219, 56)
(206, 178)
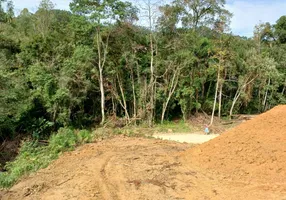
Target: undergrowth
(34, 156)
(175, 127)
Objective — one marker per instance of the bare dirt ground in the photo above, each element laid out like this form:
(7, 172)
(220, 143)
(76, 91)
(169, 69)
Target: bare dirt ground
(193, 138)
(247, 162)
(120, 168)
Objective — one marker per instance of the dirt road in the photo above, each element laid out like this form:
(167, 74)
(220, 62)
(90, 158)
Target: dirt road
(133, 169)
(193, 138)
(120, 168)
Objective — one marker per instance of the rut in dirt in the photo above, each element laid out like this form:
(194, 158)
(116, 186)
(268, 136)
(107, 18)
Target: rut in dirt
(120, 168)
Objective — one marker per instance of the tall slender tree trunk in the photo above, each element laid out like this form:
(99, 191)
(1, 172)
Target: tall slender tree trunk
(151, 84)
(216, 94)
(236, 96)
(101, 63)
(266, 95)
(134, 94)
(123, 98)
(172, 89)
(101, 86)
(102, 96)
(238, 93)
(220, 98)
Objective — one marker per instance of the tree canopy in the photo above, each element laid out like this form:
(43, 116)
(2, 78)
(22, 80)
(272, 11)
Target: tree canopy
(77, 68)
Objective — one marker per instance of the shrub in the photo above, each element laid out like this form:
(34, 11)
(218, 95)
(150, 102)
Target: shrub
(33, 156)
(84, 136)
(64, 140)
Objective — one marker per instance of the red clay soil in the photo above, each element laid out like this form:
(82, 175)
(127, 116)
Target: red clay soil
(253, 153)
(246, 163)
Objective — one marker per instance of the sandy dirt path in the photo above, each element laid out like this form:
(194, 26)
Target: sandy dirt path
(193, 138)
(132, 169)
(120, 168)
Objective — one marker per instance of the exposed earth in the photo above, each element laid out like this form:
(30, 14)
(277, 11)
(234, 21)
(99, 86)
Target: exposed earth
(193, 138)
(247, 162)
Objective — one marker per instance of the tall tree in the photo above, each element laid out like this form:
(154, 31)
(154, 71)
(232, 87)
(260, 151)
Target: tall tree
(195, 13)
(44, 17)
(102, 13)
(280, 29)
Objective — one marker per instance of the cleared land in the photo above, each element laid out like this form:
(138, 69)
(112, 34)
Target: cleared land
(193, 138)
(247, 162)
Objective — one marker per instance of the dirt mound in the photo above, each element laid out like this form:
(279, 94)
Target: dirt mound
(253, 151)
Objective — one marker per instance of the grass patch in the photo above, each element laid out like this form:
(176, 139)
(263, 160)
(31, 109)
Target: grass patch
(34, 156)
(174, 127)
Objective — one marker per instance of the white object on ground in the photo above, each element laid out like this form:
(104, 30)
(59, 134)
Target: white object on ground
(189, 138)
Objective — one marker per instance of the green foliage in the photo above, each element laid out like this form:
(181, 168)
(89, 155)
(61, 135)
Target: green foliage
(50, 77)
(41, 128)
(84, 136)
(280, 29)
(33, 156)
(65, 139)
(104, 10)
(176, 127)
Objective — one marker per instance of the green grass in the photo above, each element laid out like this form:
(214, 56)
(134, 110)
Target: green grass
(33, 156)
(175, 127)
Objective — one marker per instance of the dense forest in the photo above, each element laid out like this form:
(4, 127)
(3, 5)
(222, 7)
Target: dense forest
(83, 67)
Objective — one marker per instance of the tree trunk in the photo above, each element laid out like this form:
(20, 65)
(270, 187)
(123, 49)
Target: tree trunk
(215, 99)
(101, 63)
(266, 95)
(151, 83)
(220, 98)
(123, 99)
(236, 96)
(100, 68)
(173, 87)
(102, 96)
(134, 94)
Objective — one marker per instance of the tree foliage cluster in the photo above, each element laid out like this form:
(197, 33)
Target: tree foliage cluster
(80, 67)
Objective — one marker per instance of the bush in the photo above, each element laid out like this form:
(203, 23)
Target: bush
(33, 156)
(84, 136)
(64, 140)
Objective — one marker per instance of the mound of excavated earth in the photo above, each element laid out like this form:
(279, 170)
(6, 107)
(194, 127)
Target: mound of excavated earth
(245, 163)
(253, 152)
(256, 149)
